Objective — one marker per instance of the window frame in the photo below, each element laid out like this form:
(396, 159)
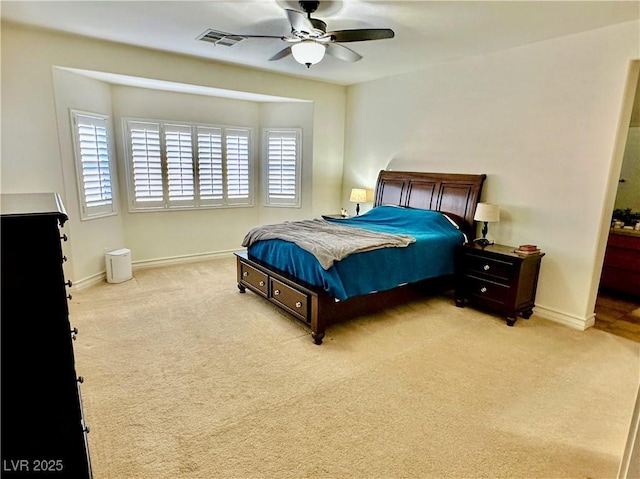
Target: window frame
(87, 211)
(167, 204)
(268, 200)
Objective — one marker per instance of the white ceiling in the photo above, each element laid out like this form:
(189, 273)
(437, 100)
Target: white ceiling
(427, 32)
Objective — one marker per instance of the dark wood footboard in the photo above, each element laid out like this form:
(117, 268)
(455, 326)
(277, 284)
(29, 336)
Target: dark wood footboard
(312, 306)
(304, 302)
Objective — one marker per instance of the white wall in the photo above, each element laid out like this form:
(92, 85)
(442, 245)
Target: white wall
(165, 234)
(34, 160)
(286, 115)
(84, 250)
(539, 120)
(184, 233)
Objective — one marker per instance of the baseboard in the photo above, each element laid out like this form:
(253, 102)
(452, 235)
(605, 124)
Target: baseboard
(153, 263)
(566, 319)
(187, 258)
(89, 281)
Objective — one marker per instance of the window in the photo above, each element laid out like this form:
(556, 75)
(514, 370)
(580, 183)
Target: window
(92, 150)
(282, 167)
(184, 165)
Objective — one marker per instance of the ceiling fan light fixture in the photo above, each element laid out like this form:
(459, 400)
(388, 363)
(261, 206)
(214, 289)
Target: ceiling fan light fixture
(308, 52)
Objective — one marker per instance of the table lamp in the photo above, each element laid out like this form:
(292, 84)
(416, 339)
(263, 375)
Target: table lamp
(358, 195)
(487, 213)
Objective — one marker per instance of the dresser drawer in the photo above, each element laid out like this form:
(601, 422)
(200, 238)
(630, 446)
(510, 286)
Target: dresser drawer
(487, 291)
(257, 279)
(291, 299)
(499, 270)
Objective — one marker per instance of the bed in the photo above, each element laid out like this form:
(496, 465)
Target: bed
(295, 281)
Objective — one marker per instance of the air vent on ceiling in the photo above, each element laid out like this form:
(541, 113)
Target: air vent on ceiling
(220, 38)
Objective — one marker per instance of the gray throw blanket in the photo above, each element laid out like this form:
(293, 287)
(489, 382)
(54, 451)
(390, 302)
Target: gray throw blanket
(327, 241)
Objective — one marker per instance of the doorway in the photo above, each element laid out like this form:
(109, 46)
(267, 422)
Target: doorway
(617, 305)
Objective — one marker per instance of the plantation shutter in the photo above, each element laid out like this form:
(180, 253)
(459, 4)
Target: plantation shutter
(237, 155)
(210, 180)
(179, 153)
(173, 165)
(146, 163)
(282, 167)
(91, 142)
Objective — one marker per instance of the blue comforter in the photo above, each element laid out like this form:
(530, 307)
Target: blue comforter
(362, 273)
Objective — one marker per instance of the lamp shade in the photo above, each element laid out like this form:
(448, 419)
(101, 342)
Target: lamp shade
(487, 212)
(358, 195)
(308, 52)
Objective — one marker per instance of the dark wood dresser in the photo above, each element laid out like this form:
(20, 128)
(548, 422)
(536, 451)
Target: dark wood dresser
(496, 277)
(621, 270)
(43, 432)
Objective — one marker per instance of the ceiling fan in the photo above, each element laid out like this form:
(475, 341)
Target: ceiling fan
(309, 39)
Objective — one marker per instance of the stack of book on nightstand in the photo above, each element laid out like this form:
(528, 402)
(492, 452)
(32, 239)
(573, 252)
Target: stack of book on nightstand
(527, 249)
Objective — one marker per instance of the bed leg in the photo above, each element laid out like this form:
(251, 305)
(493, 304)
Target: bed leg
(317, 337)
(242, 288)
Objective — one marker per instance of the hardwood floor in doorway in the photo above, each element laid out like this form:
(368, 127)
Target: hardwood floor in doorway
(619, 315)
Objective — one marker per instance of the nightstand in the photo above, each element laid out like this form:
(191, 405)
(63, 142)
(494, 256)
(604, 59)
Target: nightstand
(497, 278)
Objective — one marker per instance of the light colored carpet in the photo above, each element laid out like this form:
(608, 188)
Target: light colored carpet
(187, 378)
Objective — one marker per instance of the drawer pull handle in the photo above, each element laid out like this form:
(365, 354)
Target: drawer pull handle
(298, 304)
(276, 292)
(69, 283)
(64, 259)
(87, 430)
(245, 274)
(69, 297)
(261, 283)
(64, 237)
(486, 267)
(80, 379)
(483, 289)
(74, 331)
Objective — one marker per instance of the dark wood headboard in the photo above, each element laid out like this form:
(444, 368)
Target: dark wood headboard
(454, 194)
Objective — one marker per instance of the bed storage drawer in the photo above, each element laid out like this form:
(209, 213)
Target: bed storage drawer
(255, 279)
(291, 299)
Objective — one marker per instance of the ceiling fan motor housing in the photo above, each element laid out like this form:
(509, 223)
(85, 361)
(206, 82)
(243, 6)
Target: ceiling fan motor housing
(309, 7)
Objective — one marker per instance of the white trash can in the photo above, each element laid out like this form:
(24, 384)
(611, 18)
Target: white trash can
(118, 264)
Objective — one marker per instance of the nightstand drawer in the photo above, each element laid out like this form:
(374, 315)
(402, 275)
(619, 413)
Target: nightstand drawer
(292, 299)
(500, 270)
(254, 278)
(487, 290)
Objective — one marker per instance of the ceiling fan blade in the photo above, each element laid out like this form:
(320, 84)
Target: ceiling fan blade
(299, 22)
(285, 52)
(259, 36)
(361, 34)
(342, 53)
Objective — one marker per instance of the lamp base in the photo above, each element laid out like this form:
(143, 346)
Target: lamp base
(483, 242)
